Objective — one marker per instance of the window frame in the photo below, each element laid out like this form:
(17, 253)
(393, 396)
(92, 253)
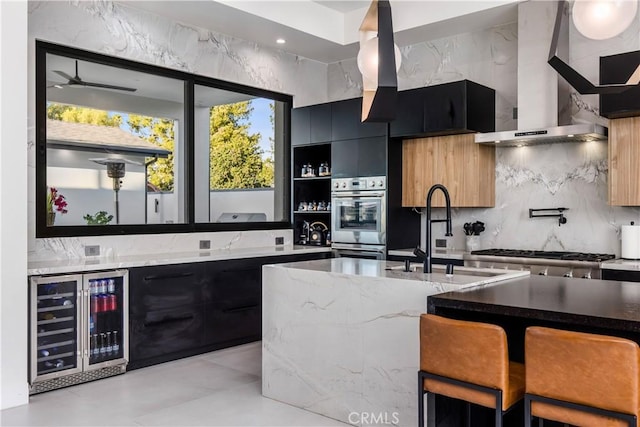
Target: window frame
(190, 80)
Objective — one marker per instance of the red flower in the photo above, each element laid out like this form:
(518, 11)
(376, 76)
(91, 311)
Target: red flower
(56, 201)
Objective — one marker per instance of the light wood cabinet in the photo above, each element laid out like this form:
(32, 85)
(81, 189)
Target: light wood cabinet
(467, 170)
(624, 161)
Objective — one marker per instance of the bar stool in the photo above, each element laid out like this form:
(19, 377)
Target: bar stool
(581, 379)
(467, 361)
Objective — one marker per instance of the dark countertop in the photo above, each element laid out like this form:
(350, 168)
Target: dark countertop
(581, 302)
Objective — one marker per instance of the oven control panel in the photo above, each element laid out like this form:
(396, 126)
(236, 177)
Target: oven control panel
(369, 183)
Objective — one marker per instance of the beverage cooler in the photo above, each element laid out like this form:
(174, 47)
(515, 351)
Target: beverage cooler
(78, 328)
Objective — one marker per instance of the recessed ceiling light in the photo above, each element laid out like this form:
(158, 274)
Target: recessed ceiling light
(570, 136)
(497, 142)
(281, 41)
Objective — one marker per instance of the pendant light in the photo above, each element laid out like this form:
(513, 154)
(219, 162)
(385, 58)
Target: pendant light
(378, 61)
(597, 28)
(603, 19)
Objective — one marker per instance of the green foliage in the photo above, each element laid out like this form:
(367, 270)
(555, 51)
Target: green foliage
(100, 218)
(235, 155)
(161, 133)
(73, 114)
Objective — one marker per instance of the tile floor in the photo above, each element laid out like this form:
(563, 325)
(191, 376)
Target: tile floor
(220, 388)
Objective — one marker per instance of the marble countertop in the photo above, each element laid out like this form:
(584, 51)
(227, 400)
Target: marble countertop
(111, 263)
(435, 253)
(462, 277)
(621, 264)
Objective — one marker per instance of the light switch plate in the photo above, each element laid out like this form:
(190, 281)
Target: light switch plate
(205, 244)
(92, 250)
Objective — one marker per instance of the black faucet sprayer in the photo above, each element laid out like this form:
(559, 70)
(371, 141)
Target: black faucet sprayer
(427, 254)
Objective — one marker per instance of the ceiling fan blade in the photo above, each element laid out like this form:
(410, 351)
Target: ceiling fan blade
(59, 85)
(106, 86)
(65, 75)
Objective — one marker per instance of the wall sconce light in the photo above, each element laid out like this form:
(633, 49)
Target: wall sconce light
(379, 61)
(595, 19)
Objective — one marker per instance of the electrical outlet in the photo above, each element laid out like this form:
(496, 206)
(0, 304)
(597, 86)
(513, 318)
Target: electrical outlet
(279, 240)
(441, 243)
(205, 244)
(92, 250)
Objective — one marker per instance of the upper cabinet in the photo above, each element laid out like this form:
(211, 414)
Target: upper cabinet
(624, 161)
(335, 121)
(311, 125)
(346, 123)
(467, 170)
(450, 108)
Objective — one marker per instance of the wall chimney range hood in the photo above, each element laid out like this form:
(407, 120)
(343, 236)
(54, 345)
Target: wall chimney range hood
(544, 100)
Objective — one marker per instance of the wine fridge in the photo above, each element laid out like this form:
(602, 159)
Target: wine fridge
(78, 328)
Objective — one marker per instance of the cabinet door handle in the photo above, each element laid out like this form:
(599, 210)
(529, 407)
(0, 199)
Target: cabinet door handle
(242, 308)
(165, 320)
(167, 276)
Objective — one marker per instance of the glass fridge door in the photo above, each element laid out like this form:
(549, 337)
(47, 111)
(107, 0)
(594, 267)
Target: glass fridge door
(55, 347)
(106, 319)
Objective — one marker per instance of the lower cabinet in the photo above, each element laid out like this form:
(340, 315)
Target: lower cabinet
(234, 308)
(186, 309)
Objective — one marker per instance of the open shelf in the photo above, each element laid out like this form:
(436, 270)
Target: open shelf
(311, 212)
(312, 178)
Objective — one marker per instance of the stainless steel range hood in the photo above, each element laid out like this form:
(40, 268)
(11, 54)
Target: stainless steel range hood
(544, 98)
(570, 133)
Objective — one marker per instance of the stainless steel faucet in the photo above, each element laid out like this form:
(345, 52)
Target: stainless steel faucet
(447, 200)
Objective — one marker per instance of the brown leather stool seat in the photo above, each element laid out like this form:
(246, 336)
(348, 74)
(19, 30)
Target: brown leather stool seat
(581, 379)
(467, 361)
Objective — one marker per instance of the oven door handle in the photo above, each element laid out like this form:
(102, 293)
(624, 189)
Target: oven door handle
(361, 194)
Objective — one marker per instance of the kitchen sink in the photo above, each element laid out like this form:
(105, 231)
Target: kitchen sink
(463, 276)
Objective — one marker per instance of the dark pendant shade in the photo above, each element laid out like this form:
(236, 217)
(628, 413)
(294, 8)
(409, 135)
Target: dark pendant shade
(379, 101)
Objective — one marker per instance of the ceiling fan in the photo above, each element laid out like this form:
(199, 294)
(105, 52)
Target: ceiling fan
(77, 81)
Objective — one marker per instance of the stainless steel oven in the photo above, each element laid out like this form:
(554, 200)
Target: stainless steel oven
(359, 214)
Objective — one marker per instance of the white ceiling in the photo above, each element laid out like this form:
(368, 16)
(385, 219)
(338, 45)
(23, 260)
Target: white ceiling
(327, 30)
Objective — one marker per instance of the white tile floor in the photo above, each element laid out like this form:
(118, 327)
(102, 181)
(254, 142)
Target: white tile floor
(221, 388)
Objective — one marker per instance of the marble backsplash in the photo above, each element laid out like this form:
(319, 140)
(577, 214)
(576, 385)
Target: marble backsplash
(569, 175)
(118, 246)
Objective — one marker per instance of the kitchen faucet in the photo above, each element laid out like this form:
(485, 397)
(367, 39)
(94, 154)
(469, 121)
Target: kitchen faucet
(426, 256)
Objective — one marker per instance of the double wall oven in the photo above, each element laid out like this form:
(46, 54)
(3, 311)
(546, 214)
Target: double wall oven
(358, 217)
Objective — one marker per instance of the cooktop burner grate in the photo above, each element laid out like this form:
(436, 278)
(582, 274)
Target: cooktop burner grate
(523, 253)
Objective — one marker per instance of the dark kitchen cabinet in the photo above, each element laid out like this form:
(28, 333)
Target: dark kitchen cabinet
(346, 121)
(234, 300)
(182, 310)
(300, 126)
(359, 157)
(166, 314)
(457, 107)
(616, 69)
(310, 125)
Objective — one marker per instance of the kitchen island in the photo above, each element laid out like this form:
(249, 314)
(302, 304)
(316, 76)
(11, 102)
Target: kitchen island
(340, 337)
(594, 306)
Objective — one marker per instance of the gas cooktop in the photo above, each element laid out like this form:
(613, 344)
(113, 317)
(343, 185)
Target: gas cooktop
(523, 253)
